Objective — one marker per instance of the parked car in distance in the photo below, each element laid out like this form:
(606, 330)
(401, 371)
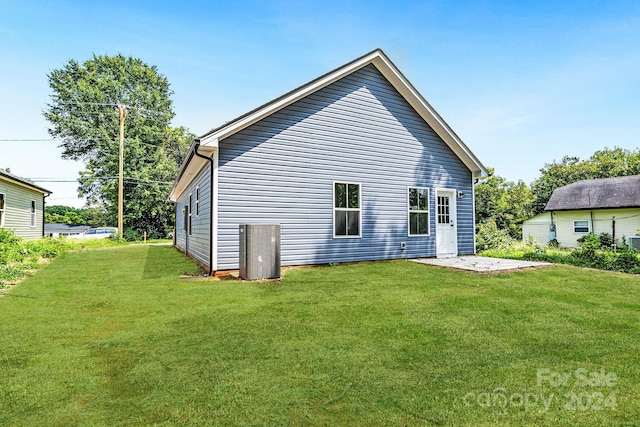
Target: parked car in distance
(96, 233)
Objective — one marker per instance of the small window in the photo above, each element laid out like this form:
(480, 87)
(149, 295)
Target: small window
(185, 218)
(346, 209)
(197, 201)
(581, 226)
(3, 199)
(190, 209)
(33, 213)
(418, 211)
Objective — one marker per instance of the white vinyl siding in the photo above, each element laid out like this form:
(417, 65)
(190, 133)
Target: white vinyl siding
(538, 228)
(418, 212)
(21, 209)
(347, 215)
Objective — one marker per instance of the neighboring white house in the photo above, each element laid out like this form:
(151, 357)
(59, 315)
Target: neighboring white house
(64, 230)
(607, 205)
(21, 206)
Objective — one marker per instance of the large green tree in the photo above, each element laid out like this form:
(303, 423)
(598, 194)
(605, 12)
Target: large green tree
(503, 203)
(83, 114)
(604, 163)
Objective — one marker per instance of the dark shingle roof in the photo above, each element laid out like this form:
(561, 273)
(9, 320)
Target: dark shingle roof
(619, 192)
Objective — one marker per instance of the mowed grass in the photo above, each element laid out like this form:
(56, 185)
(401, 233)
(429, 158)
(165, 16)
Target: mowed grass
(115, 337)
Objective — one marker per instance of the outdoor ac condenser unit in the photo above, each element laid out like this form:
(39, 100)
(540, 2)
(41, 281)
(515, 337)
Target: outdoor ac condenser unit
(259, 251)
(634, 242)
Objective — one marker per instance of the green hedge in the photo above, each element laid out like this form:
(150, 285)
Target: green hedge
(625, 260)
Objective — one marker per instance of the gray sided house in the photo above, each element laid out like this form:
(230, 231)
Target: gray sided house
(21, 206)
(355, 165)
(606, 205)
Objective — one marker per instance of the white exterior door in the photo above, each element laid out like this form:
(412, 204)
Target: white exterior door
(446, 227)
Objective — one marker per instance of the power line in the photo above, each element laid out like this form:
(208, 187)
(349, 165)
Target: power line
(88, 139)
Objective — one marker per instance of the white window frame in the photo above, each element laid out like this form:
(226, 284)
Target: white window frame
(358, 209)
(197, 201)
(33, 208)
(582, 220)
(3, 211)
(418, 211)
(190, 213)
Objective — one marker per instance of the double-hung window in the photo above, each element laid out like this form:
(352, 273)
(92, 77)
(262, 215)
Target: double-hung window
(3, 201)
(581, 226)
(418, 201)
(346, 209)
(197, 201)
(33, 213)
(189, 213)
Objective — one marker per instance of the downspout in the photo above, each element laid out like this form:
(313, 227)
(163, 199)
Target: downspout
(175, 222)
(210, 160)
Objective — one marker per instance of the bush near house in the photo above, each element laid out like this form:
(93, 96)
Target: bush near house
(594, 252)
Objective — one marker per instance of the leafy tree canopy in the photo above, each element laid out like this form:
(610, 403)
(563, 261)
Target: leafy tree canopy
(503, 203)
(604, 163)
(83, 115)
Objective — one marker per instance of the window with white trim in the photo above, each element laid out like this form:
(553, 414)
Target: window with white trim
(197, 201)
(346, 209)
(418, 204)
(3, 202)
(190, 208)
(185, 218)
(581, 226)
(33, 213)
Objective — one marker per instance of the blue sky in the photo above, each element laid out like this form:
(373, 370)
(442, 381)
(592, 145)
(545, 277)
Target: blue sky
(521, 82)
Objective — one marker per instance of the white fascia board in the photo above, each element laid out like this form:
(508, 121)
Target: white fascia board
(209, 142)
(190, 171)
(25, 185)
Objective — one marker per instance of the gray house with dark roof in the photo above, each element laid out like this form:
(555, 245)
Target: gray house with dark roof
(355, 165)
(21, 206)
(606, 205)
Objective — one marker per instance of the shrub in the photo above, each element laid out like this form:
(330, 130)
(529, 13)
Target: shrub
(490, 237)
(606, 240)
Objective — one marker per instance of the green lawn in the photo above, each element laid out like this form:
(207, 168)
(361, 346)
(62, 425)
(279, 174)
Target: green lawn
(114, 337)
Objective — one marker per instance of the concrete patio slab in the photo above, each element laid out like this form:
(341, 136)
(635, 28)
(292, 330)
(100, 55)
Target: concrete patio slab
(480, 264)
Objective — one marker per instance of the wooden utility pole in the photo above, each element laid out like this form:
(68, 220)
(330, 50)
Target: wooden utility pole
(123, 113)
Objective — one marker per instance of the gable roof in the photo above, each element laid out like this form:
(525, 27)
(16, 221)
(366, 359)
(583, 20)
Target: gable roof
(618, 192)
(22, 182)
(209, 141)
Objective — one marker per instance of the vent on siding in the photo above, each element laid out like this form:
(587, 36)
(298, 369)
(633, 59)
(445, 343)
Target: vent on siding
(259, 251)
